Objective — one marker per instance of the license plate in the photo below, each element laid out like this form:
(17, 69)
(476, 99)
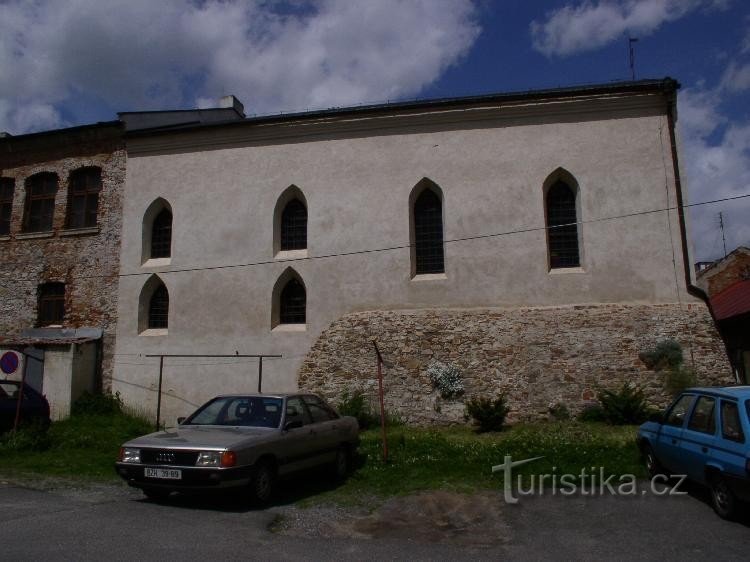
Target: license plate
(164, 473)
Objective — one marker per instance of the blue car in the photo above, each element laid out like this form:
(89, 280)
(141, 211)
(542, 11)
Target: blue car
(704, 435)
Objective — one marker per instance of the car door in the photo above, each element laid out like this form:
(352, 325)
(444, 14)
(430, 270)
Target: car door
(297, 445)
(698, 439)
(325, 422)
(667, 443)
(730, 451)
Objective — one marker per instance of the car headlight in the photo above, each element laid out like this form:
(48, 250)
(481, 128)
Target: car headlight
(209, 458)
(130, 454)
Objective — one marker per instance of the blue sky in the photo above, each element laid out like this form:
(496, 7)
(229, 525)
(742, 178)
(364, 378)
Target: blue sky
(69, 62)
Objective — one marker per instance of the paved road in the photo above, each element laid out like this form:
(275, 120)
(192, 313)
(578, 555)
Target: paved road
(114, 523)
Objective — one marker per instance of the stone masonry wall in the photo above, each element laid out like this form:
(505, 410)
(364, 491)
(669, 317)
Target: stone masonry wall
(86, 260)
(538, 357)
(735, 267)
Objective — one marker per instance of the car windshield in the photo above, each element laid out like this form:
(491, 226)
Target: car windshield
(250, 411)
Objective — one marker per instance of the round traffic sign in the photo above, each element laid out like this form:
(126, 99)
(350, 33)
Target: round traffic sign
(9, 362)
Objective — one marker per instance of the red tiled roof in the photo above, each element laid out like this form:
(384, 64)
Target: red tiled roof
(732, 301)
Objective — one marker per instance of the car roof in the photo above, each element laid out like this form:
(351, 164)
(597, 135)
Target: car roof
(263, 395)
(735, 392)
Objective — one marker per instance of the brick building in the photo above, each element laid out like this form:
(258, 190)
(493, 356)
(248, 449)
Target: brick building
(60, 223)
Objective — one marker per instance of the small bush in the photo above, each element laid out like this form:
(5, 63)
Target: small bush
(624, 406)
(559, 412)
(89, 404)
(592, 413)
(31, 436)
(357, 406)
(667, 354)
(678, 379)
(446, 378)
(488, 414)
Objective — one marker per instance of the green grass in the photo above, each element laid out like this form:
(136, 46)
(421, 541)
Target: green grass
(82, 447)
(461, 460)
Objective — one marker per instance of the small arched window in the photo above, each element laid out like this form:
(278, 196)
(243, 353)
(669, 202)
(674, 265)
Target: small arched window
(562, 226)
(161, 235)
(293, 303)
(83, 197)
(158, 308)
(39, 208)
(294, 226)
(428, 232)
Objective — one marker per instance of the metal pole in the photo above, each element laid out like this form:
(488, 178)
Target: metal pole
(382, 405)
(20, 392)
(260, 373)
(158, 400)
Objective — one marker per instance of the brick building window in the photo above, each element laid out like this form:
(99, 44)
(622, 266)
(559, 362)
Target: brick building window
(293, 303)
(39, 207)
(294, 226)
(83, 197)
(51, 304)
(7, 187)
(562, 226)
(428, 233)
(161, 235)
(158, 308)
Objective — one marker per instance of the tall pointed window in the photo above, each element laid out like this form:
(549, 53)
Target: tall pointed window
(292, 303)
(294, 226)
(158, 308)
(428, 233)
(51, 305)
(39, 207)
(161, 235)
(83, 197)
(562, 226)
(7, 187)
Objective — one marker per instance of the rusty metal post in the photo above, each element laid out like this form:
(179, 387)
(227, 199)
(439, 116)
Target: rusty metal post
(158, 400)
(382, 405)
(260, 373)
(20, 392)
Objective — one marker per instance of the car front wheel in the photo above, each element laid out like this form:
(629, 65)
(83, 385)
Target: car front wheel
(722, 498)
(262, 483)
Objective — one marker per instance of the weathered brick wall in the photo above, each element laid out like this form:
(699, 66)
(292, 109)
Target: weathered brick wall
(735, 267)
(537, 356)
(87, 261)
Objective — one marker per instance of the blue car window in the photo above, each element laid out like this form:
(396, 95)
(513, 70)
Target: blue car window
(731, 428)
(679, 410)
(703, 418)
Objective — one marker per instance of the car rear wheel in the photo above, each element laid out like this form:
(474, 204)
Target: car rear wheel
(722, 498)
(156, 494)
(342, 463)
(262, 482)
(653, 466)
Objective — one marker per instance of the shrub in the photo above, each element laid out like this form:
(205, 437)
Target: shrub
(667, 354)
(357, 406)
(446, 378)
(32, 436)
(678, 379)
(488, 414)
(624, 406)
(89, 404)
(592, 413)
(559, 412)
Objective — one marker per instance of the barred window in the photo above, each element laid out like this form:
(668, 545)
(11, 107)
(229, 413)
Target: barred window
(562, 226)
(83, 197)
(161, 235)
(294, 226)
(7, 188)
(292, 303)
(40, 202)
(428, 233)
(158, 308)
(51, 305)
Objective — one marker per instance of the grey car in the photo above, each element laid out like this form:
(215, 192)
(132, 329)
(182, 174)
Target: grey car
(244, 441)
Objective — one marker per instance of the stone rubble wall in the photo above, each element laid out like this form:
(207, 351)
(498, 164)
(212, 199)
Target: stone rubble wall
(537, 357)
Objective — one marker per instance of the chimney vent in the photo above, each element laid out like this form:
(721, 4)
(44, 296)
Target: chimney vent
(232, 102)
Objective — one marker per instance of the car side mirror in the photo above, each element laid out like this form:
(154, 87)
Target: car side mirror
(180, 420)
(293, 424)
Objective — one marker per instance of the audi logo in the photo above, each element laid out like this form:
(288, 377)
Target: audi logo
(165, 457)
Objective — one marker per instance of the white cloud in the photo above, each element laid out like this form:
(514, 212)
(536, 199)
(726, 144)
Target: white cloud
(736, 77)
(590, 25)
(139, 54)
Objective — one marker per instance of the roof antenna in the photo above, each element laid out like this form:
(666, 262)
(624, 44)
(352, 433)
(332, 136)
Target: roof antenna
(632, 40)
